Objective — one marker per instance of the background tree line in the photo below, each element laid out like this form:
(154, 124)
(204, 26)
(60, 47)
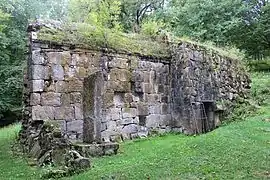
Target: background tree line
(244, 24)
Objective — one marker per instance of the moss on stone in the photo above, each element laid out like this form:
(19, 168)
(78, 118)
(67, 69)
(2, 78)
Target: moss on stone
(89, 37)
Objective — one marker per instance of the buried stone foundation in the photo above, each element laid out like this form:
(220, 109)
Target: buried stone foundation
(81, 102)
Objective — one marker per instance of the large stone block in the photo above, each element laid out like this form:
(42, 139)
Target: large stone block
(57, 72)
(153, 121)
(34, 99)
(38, 58)
(129, 112)
(75, 86)
(148, 88)
(75, 126)
(39, 72)
(120, 63)
(78, 111)
(115, 113)
(54, 57)
(127, 121)
(51, 99)
(155, 109)
(143, 109)
(61, 86)
(119, 75)
(76, 97)
(65, 113)
(65, 99)
(37, 85)
(130, 129)
(42, 113)
(111, 126)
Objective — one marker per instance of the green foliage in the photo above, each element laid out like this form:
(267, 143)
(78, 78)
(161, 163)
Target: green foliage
(206, 20)
(101, 13)
(152, 28)
(260, 65)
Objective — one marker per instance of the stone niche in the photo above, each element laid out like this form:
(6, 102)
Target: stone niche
(98, 97)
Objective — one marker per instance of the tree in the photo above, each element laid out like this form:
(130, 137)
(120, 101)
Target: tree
(134, 12)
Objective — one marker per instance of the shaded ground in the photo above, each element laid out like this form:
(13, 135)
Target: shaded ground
(240, 150)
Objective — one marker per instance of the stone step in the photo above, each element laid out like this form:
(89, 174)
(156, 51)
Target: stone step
(96, 150)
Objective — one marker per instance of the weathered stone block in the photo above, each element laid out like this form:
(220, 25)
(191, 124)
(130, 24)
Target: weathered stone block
(127, 121)
(42, 113)
(143, 109)
(128, 98)
(75, 86)
(166, 120)
(111, 126)
(119, 75)
(120, 63)
(64, 113)
(37, 85)
(81, 72)
(76, 97)
(129, 129)
(155, 109)
(51, 99)
(39, 72)
(165, 109)
(49, 86)
(115, 113)
(57, 72)
(153, 121)
(146, 77)
(54, 57)
(129, 112)
(75, 126)
(61, 86)
(154, 98)
(38, 58)
(34, 99)
(65, 99)
(108, 99)
(78, 111)
(74, 59)
(148, 88)
(65, 57)
(118, 99)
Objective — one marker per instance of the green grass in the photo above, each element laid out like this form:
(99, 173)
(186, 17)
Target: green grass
(239, 150)
(13, 167)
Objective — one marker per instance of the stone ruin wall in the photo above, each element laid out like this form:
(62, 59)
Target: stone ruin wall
(100, 96)
(201, 81)
(64, 83)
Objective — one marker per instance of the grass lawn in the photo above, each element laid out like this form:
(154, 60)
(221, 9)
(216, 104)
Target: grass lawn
(239, 150)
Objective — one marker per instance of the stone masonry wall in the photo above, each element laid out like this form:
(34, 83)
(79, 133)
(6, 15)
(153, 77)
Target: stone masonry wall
(200, 79)
(98, 96)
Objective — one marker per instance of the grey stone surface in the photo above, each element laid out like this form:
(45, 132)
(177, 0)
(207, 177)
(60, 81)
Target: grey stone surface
(50, 99)
(34, 99)
(37, 85)
(39, 72)
(57, 72)
(42, 113)
(75, 126)
(78, 111)
(65, 113)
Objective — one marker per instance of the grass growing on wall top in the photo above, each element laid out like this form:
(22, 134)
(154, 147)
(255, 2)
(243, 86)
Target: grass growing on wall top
(97, 37)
